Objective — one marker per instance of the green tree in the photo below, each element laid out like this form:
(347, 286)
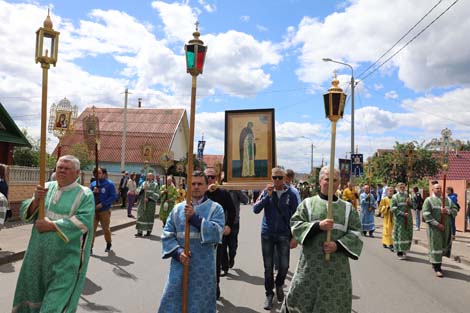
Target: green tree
(25, 156)
(408, 162)
(80, 151)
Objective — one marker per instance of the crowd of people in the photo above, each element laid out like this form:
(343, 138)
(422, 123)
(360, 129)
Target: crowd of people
(65, 236)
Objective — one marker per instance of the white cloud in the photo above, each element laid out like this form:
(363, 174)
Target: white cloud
(392, 94)
(208, 7)
(261, 28)
(422, 65)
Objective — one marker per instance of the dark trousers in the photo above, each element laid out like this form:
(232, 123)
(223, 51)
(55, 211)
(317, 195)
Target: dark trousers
(282, 244)
(218, 262)
(124, 197)
(229, 247)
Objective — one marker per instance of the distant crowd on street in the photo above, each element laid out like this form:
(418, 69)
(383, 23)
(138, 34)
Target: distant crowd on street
(293, 215)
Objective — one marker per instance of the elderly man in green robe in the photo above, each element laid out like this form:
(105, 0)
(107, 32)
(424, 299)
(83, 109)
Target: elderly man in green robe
(438, 230)
(148, 193)
(402, 222)
(55, 264)
(319, 285)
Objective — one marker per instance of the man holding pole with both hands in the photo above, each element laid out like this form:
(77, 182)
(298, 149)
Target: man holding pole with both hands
(207, 220)
(320, 285)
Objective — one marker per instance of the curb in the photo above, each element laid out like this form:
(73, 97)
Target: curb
(17, 256)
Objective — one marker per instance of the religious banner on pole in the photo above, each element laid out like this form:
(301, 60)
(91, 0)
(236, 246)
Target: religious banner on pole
(200, 149)
(357, 165)
(344, 170)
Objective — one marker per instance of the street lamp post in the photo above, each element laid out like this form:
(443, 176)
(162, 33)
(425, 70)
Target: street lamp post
(195, 56)
(352, 104)
(334, 108)
(43, 49)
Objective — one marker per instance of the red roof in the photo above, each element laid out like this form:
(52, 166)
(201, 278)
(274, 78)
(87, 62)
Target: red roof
(212, 159)
(155, 127)
(459, 166)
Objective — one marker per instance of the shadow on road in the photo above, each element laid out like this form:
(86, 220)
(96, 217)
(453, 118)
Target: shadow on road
(244, 276)
(93, 307)
(119, 263)
(456, 275)
(90, 287)
(7, 267)
(225, 306)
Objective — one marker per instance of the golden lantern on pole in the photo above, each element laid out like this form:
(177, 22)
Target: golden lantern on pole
(195, 52)
(334, 102)
(47, 48)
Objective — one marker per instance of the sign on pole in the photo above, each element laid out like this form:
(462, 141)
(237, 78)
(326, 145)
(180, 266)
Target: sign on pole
(357, 164)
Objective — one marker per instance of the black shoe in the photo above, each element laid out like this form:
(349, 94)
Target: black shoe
(108, 247)
(231, 263)
(224, 273)
(385, 246)
(148, 233)
(279, 294)
(364, 233)
(131, 216)
(138, 235)
(268, 303)
(371, 234)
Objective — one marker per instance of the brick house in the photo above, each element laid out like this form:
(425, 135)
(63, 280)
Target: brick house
(163, 129)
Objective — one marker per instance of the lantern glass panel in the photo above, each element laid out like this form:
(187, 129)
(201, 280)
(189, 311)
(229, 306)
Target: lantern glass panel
(190, 56)
(336, 103)
(201, 53)
(326, 101)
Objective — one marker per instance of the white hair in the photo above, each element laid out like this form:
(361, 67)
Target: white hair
(71, 159)
(326, 170)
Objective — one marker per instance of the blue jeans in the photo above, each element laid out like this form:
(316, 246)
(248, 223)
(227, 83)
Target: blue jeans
(418, 219)
(282, 244)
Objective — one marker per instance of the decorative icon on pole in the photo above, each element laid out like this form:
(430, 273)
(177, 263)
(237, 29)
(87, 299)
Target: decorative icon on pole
(62, 118)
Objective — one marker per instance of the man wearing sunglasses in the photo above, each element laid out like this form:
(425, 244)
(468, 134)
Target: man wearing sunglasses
(279, 203)
(222, 197)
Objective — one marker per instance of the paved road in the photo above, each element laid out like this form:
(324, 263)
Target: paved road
(131, 279)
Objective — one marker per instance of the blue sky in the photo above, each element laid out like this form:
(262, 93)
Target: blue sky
(262, 54)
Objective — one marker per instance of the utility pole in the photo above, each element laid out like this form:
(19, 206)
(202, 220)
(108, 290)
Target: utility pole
(123, 146)
(311, 161)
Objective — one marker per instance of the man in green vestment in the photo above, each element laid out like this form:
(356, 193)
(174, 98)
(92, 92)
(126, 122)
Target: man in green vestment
(148, 193)
(402, 222)
(55, 264)
(319, 285)
(438, 231)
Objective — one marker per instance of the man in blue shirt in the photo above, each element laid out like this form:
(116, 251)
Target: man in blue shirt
(279, 203)
(106, 196)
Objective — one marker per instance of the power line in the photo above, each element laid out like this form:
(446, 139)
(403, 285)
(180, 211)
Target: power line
(398, 41)
(410, 41)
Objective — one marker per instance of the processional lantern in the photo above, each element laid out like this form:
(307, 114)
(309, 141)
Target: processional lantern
(47, 48)
(195, 54)
(334, 102)
(47, 43)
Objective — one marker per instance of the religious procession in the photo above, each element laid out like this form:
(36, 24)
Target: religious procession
(160, 202)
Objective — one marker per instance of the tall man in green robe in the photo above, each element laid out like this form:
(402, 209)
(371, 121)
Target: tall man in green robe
(55, 264)
(319, 285)
(439, 235)
(148, 193)
(403, 222)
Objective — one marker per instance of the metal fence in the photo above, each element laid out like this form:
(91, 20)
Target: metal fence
(24, 174)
